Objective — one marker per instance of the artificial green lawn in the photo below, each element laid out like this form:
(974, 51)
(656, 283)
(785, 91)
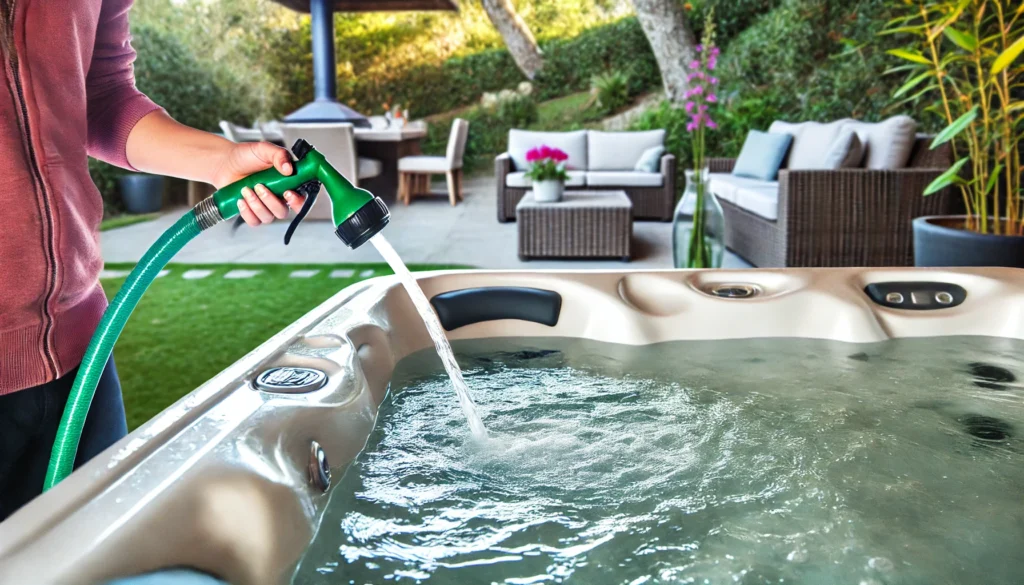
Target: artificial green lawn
(186, 331)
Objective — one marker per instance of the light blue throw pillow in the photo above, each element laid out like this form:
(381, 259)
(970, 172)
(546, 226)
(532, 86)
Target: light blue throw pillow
(650, 159)
(762, 155)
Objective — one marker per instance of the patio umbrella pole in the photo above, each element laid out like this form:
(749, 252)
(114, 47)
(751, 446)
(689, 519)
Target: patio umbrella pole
(357, 214)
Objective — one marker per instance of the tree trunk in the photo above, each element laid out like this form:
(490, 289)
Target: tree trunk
(517, 35)
(668, 31)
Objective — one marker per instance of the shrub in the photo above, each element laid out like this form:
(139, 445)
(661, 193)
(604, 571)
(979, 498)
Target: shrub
(569, 65)
(825, 64)
(194, 92)
(610, 90)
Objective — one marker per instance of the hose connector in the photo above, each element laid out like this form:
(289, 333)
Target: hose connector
(207, 213)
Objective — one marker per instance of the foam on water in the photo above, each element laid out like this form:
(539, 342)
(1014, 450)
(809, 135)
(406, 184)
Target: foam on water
(749, 461)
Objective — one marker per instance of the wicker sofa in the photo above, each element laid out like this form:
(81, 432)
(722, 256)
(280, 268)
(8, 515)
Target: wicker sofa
(598, 161)
(842, 217)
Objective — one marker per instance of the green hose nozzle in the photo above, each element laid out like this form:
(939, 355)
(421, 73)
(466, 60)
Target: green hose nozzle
(358, 215)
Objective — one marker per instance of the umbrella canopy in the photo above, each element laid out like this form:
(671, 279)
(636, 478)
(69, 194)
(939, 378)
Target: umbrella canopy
(325, 106)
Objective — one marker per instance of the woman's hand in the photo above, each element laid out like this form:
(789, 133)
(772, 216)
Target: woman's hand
(243, 159)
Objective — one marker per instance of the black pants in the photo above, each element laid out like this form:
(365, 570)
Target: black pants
(28, 425)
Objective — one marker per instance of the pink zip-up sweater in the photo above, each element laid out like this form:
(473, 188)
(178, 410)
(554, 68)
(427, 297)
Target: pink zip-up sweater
(68, 92)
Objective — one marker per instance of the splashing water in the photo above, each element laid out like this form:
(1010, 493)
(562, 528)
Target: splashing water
(444, 349)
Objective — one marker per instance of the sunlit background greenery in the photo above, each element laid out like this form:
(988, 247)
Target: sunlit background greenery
(248, 60)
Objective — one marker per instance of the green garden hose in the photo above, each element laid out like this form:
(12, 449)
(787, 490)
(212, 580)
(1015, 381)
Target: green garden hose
(358, 215)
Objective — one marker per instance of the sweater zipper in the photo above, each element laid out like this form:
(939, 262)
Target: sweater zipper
(37, 175)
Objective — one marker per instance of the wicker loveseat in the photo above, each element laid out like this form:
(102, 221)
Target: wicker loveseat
(842, 217)
(598, 161)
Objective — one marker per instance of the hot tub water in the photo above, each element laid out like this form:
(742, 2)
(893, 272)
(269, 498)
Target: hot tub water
(441, 345)
(744, 461)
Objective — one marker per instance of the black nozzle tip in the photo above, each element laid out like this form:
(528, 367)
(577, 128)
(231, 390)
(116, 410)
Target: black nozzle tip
(301, 148)
(364, 223)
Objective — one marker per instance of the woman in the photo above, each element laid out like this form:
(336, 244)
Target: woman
(69, 93)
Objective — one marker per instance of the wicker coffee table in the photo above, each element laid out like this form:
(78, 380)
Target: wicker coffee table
(585, 224)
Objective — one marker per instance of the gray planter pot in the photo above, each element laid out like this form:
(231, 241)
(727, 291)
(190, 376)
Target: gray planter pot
(939, 241)
(141, 193)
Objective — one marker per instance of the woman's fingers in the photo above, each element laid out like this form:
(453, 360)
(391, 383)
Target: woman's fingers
(294, 200)
(272, 202)
(279, 157)
(247, 215)
(256, 206)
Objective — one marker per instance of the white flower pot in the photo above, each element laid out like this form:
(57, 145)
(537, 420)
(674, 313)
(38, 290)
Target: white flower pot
(548, 191)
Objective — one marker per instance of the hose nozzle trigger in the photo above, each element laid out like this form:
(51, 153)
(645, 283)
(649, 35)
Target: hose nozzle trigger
(309, 190)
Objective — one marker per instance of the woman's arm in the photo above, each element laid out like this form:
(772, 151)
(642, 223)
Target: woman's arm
(128, 130)
(157, 144)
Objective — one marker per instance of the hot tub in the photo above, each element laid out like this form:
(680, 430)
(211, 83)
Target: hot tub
(232, 479)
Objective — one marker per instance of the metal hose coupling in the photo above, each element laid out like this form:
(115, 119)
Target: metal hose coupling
(207, 214)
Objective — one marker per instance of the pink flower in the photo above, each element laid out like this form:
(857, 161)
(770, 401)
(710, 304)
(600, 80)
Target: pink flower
(533, 155)
(711, 98)
(691, 126)
(711, 124)
(702, 108)
(712, 61)
(545, 152)
(700, 48)
(693, 91)
(689, 107)
(694, 64)
(692, 76)
(558, 156)
(713, 80)
(715, 51)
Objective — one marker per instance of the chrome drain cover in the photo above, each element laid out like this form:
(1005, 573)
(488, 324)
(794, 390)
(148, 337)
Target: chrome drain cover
(734, 291)
(290, 380)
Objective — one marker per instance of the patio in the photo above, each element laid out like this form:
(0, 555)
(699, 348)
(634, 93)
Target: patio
(430, 231)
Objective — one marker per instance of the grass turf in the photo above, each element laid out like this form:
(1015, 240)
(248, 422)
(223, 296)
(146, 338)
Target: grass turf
(185, 331)
(126, 220)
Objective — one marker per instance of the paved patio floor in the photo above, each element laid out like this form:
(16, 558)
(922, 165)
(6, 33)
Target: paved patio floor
(428, 231)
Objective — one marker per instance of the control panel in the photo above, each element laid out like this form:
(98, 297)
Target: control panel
(917, 296)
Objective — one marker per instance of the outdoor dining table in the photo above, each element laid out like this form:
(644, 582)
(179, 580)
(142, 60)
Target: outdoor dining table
(386, 145)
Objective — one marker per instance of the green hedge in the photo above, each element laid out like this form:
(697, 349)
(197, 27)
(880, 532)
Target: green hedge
(803, 60)
(194, 92)
(569, 65)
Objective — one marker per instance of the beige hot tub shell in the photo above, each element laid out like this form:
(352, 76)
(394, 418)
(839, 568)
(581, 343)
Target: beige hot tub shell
(219, 480)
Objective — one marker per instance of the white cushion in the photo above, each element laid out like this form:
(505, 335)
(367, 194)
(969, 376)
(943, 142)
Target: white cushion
(726, 185)
(424, 164)
(887, 143)
(811, 142)
(763, 201)
(518, 179)
(369, 168)
(573, 144)
(619, 151)
(623, 179)
(846, 151)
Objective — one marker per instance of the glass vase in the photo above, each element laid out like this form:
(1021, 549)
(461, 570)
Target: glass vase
(698, 228)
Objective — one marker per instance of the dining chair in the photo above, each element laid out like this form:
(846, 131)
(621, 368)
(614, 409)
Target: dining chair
(337, 143)
(271, 132)
(236, 133)
(414, 172)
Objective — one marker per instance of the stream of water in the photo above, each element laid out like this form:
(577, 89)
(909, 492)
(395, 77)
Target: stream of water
(444, 349)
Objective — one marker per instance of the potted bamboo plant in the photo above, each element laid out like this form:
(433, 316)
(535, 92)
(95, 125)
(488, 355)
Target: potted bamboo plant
(964, 63)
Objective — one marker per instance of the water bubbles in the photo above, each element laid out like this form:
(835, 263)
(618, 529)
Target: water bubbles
(880, 564)
(798, 555)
